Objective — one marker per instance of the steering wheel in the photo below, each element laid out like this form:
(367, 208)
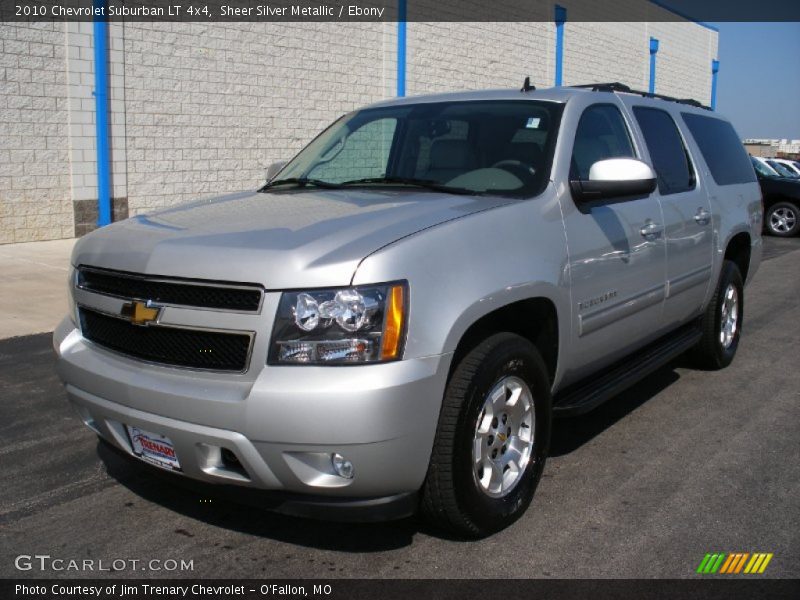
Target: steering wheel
(515, 167)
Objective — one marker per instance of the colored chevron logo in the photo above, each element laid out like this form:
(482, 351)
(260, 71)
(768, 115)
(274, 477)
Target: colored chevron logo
(734, 563)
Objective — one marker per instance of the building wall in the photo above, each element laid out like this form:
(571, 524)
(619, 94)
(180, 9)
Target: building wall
(473, 56)
(35, 198)
(683, 62)
(82, 125)
(201, 109)
(209, 107)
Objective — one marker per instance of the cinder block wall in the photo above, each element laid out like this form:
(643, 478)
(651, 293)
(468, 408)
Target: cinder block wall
(200, 109)
(35, 195)
(208, 107)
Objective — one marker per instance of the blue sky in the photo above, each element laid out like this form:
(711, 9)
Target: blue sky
(759, 78)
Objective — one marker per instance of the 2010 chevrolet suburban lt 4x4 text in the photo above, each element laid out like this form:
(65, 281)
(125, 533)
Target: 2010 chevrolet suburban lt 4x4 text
(391, 322)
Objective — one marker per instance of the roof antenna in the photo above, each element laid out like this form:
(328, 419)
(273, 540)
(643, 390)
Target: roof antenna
(527, 87)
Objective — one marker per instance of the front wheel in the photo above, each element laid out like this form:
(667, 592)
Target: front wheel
(722, 321)
(492, 438)
(783, 219)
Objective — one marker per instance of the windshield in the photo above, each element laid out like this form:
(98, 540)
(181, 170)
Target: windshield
(502, 147)
(762, 169)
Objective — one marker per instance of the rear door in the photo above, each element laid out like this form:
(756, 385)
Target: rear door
(688, 230)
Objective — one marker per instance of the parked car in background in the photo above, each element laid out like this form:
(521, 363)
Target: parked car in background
(781, 200)
(793, 165)
(782, 169)
(390, 323)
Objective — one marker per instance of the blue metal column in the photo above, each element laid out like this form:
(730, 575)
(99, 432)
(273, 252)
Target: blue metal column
(714, 72)
(101, 114)
(653, 52)
(401, 48)
(560, 19)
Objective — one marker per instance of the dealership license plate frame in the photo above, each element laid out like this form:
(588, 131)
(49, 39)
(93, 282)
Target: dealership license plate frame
(153, 448)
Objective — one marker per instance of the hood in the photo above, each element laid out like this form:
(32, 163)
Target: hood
(279, 240)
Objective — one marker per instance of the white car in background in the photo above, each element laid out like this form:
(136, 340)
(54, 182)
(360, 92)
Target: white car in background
(792, 165)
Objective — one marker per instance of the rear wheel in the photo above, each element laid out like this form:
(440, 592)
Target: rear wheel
(783, 219)
(722, 321)
(492, 438)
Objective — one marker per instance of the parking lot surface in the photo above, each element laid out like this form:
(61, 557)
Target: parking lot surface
(685, 463)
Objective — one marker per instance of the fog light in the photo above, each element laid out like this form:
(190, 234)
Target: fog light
(342, 466)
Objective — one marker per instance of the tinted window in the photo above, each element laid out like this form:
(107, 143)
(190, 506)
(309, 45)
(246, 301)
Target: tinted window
(781, 168)
(601, 134)
(667, 151)
(721, 149)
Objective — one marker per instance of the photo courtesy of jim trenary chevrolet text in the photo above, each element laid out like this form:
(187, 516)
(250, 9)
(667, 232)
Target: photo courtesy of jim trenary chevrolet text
(346, 299)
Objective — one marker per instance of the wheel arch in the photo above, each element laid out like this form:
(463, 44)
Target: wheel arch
(535, 318)
(738, 250)
(771, 199)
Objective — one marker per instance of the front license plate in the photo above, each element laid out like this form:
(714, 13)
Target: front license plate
(154, 448)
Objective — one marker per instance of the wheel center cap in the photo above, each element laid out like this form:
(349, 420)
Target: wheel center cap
(502, 437)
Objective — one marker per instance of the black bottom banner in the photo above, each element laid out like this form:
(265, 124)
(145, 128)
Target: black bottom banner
(384, 589)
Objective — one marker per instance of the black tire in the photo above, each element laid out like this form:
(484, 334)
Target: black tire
(451, 496)
(783, 219)
(710, 352)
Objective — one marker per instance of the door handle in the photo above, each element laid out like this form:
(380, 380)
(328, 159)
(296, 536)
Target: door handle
(703, 217)
(651, 230)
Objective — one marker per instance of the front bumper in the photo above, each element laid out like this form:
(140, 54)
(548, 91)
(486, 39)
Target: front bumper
(281, 423)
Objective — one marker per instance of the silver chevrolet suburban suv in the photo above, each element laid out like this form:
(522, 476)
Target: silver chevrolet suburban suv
(390, 324)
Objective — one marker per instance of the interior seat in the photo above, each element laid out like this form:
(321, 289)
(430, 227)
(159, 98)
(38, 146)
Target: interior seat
(449, 159)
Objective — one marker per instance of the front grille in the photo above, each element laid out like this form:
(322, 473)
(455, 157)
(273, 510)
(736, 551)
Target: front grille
(165, 291)
(168, 345)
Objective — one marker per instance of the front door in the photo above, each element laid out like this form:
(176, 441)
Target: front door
(617, 255)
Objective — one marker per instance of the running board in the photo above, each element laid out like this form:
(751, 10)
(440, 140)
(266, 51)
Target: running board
(586, 395)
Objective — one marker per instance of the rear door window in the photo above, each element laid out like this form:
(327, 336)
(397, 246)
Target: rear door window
(721, 149)
(669, 155)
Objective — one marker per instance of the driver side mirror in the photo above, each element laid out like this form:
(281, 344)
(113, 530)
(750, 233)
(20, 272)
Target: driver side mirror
(274, 169)
(613, 178)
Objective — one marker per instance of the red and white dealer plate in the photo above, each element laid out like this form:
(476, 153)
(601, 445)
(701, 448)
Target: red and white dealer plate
(153, 448)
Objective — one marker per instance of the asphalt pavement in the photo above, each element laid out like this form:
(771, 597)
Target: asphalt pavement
(685, 463)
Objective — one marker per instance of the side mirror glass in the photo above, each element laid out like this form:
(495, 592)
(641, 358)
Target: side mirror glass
(274, 169)
(614, 178)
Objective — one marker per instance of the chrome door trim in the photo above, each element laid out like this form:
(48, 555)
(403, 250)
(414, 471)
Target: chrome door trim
(688, 280)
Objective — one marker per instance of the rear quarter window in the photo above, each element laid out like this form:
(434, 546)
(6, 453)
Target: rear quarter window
(721, 149)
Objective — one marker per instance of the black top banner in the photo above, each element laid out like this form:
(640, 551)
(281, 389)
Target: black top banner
(398, 10)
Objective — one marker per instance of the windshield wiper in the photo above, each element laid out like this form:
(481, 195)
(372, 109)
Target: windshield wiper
(301, 182)
(428, 184)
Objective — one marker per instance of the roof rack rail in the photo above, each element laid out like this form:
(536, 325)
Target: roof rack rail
(621, 87)
(616, 86)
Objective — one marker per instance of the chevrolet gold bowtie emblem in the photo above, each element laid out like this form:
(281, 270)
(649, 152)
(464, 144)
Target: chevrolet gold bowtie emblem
(502, 437)
(140, 313)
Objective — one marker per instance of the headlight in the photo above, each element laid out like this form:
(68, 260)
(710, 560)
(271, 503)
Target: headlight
(340, 326)
(73, 308)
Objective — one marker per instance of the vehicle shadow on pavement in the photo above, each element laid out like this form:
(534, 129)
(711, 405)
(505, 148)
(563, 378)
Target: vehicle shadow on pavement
(247, 511)
(571, 433)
